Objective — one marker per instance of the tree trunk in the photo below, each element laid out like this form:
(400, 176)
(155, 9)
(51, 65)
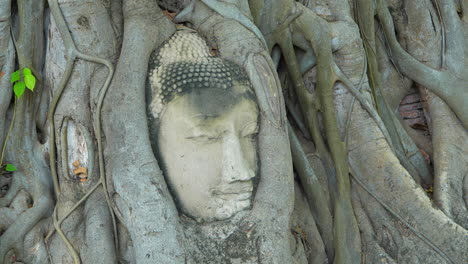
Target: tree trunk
(341, 177)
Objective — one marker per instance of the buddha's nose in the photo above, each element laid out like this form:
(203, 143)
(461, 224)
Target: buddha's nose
(235, 165)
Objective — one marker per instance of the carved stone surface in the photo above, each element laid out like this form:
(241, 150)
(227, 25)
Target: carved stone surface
(204, 121)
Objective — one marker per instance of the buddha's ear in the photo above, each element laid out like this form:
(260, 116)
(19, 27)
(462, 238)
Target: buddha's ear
(267, 87)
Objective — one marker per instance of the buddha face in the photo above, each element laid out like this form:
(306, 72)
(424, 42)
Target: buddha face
(207, 144)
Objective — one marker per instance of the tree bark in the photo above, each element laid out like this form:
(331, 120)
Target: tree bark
(339, 181)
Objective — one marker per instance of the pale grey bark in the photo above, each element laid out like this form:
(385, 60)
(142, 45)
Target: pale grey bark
(7, 61)
(398, 222)
(448, 135)
(142, 199)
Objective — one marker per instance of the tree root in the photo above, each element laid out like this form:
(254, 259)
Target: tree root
(373, 161)
(405, 158)
(297, 119)
(395, 214)
(402, 144)
(15, 187)
(450, 85)
(31, 175)
(232, 12)
(128, 149)
(319, 41)
(8, 133)
(73, 53)
(313, 190)
(7, 60)
(5, 93)
(14, 235)
(18, 206)
(346, 230)
(58, 222)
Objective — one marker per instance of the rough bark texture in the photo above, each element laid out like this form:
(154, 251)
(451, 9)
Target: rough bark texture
(341, 179)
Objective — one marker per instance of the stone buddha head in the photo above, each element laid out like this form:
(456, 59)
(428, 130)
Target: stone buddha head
(205, 121)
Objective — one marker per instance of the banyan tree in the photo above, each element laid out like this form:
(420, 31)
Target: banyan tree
(234, 131)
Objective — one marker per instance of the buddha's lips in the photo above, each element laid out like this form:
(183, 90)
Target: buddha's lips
(233, 189)
(234, 196)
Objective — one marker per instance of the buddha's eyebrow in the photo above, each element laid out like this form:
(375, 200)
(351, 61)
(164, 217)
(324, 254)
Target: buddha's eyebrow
(200, 127)
(203, 117)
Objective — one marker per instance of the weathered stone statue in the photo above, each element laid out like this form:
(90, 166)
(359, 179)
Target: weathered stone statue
(277, 141)
(205, 122)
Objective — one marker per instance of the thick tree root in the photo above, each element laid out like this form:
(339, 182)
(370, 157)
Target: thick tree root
(23, 149)
(313, 189)
(395, 214)
(7, 60)
(14, 189)
(229, 11)
(130, 159)
(403, 146)
(406, 199)
(8, 134)
(450, 85)
(299, 19)
(14, 235)
(345, 223)
(74, 53)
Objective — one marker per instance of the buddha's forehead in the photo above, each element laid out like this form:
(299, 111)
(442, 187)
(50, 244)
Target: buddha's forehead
(211, 103)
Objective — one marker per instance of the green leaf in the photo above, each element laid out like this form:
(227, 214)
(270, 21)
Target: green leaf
(15, 76)
(30, 81)
(19, 88)
(26, 72)
(10, 167)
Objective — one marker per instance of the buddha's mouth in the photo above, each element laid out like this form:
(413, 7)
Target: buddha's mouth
(235, 196)
(235, 191)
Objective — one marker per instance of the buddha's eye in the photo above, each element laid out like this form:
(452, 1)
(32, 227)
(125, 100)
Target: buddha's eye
(250, 131)
(251, 136)
(204, 138)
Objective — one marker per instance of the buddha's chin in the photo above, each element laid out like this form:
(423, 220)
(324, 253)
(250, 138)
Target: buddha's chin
(222, 209)
(231, 207)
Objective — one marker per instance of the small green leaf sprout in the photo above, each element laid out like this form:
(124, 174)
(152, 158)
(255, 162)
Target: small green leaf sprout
(10, 167)
(28, 81)
(19, 86)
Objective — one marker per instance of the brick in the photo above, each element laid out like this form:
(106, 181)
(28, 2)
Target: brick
(411, 98)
